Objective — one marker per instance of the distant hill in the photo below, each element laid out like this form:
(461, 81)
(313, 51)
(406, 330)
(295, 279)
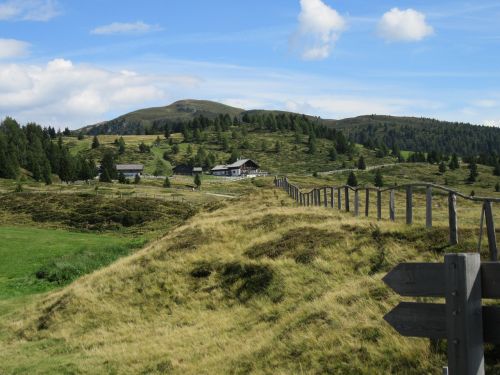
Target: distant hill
(154, 119)
(407, 133)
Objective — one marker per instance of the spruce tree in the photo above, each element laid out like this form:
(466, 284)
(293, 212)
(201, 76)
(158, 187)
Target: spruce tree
(378, 181)
(473, 173)
(108, 165)
(197, 180)
(361, 163)
(166, 183)
(312, 144)
(454, 162)
(332, 153)
(442, 167)
(167, 131)
(121, 178)
(352, 180)
(121, 146)
(95, 142)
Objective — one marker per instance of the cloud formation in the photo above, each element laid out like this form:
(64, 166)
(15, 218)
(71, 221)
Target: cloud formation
(64, 94)
(114, 28)
(12, 48)
(29, 10)
(319, 27)
(404, 26)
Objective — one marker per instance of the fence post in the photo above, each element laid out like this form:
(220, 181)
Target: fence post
(332, 198)
(379, 204)
(392, 206)
(307, 199)
(428, 207)
(339, 198)
(346, 197)
(409, 205)
(490, 229)
(464, 324)
(452, 213)
(325, 198)
(367, 202)
(318, 195)
(356, 202)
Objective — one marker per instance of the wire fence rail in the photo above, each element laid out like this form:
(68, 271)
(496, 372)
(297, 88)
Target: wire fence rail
(339, 197)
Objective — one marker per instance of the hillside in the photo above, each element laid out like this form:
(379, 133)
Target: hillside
(407, 133)
(154, 119)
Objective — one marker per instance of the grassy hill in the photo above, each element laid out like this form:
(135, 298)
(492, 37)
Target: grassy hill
(258, 286)
(183, 110)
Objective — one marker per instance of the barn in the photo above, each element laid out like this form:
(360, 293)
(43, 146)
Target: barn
(241, 167)
(130, 170)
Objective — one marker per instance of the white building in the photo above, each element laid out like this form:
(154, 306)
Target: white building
(241, 167)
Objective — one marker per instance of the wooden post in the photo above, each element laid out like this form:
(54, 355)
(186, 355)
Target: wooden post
(346, 197)
(356, 202)
(409, 205)
(332, 198)
(339, 198)
(325, 198)
(307, 199)
(379, 204)
(367, 202)
(464, 323)
(428, 207)
(490, 229)
(452, 214)
(318, 194)
(392, 206)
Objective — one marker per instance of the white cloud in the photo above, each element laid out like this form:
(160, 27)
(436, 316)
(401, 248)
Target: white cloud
(404, 26)
(61, 93)
(319, 27)
(11, 48)
(29, 10)
(138, 27)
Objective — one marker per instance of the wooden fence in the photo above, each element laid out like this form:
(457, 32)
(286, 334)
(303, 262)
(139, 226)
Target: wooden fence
(339, 197)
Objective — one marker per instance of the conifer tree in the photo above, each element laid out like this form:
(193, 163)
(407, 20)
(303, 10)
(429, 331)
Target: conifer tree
(473, 173)
(332, 153)
(95, 142)
(454, 162)
(361, 163)
(352, 180)
(197, 180)
(166, 183)
(442, 167)
(378, 181)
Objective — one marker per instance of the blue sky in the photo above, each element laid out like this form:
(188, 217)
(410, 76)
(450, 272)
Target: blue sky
(72, 63)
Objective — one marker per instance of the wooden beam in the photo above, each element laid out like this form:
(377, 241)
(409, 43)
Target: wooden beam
(409, 205)
(428, 207)
(464, 323)
(379, 204)
(490, 230)
(392, 206)
(452, 217)
(367, 202)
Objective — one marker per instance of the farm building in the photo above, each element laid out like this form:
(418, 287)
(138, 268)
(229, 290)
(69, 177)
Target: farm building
(130, 170)
(187, 170)
(240, 167)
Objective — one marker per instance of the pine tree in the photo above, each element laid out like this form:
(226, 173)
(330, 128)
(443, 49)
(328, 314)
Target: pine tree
(454, 162)
(108, 167)
(442, 167)
(361, 163)
(167, 131)
(166, 183)
(175, 148)
(379, 181)
(332, 153)
(312, 144)
(104, 176)
(121, 178)
(95, 142)
(121, 146)
(197, 180)
(473, 171)
(352, 180)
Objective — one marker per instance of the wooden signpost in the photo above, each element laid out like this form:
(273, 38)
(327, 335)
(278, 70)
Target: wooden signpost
(462, 280)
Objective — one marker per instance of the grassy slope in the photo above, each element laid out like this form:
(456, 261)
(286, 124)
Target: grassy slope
(259, 286)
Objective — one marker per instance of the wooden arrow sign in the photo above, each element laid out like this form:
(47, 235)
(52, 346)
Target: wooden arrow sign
(428, 279)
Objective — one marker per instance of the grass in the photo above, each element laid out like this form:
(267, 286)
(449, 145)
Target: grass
(225, 293)
(26, 250)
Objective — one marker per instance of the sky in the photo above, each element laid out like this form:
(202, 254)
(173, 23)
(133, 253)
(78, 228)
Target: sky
(74, 63)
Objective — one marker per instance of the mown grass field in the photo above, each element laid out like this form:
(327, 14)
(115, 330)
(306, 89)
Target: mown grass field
(256, 285)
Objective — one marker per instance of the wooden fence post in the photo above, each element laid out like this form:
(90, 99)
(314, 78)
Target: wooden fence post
(346, 197)
(428, 207)
(392, 206)
(318, 194)
(409, 205)
(379, 204)
(307, 194)
(339, 198)
(356, 202)
(325, 198)
(464, 324)
(332, 198)
(452, 214)
(490, 229)
(367, 202)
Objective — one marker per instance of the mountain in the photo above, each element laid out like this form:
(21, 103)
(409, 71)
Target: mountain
(154, 119)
